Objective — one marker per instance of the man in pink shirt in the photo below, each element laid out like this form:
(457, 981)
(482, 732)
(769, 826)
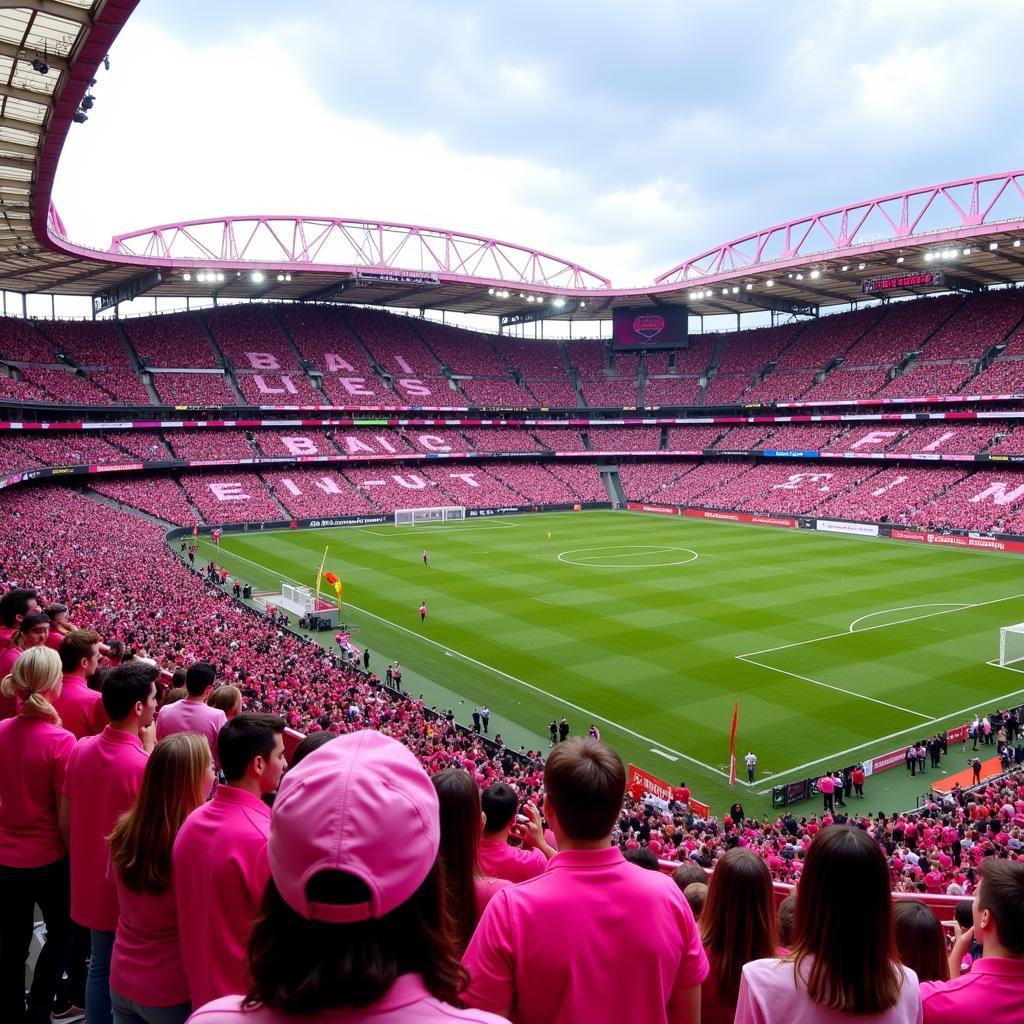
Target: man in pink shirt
(193, 714)
(994, 986)
(80, 709)
(14, 606)
(592, 938)
(500, 804)
(103, 779)
(827, 788)
(220, 858)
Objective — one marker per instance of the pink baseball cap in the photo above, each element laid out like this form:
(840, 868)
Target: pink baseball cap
(340, 810)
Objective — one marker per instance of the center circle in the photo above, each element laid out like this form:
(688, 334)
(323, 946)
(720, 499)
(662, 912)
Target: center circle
(612, 557)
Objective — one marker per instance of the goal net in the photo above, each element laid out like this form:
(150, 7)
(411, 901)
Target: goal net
(1011, 644)
(439, 514)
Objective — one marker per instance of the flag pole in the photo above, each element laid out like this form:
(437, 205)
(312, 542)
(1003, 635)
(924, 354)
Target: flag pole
(319, 574)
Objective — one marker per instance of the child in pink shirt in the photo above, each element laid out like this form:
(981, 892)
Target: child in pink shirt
(34, 752)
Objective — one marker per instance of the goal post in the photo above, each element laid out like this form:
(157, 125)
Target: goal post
(436, 514)
(1011, 644)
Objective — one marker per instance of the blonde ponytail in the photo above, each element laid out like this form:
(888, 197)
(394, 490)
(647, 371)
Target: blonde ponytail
(36, 672)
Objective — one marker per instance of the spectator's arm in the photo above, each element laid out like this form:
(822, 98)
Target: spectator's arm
(685, 1006)
(533, 832)
(489, 960)
(959, 951)
(64, 822)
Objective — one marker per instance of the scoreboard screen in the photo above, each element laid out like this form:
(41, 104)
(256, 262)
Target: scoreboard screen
(924, 279)
(644, 328)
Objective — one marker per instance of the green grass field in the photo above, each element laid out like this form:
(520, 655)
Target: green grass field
(836, 648)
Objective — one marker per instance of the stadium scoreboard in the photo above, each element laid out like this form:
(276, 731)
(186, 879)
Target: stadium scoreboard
(642, 328)
(924, 279)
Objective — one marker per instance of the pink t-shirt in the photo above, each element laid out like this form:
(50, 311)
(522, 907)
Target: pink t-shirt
(146, 964)
(8, 705)
(103, 779)
(592, 939)
(34, 757)
(220, 874)
(994, 987)
(484, 890)
(191, 716)
(826, 785)
(499, 860)
(769, 994)
(80, 709)
(407, 1002)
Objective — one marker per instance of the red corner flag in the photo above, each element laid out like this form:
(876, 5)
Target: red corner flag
(732, 744)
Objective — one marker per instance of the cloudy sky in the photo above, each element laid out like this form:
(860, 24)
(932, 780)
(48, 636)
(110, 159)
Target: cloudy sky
(625, 137)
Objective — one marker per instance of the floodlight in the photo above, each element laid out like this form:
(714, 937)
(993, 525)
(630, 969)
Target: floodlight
(992, 246)
(846, 267)
(899, 259)
(280, 277)
(582, 304)
(749, 287)
(257, 276)
(769, 283)
(287, 277)
(967, 252)
(1016, 243)
(815, 274)
(559, 302)
(40, 65)
(186, 276)
(529, 298)
(725, 291)
(860, 266)
(927, 257)
(201, 277)
(735, 290)
(220, 276)
(490, 291)
(799, 277)
(693, 296)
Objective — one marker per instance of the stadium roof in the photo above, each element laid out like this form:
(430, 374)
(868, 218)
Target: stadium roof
(962, 234)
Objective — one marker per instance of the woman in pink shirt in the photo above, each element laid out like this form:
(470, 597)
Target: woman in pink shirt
(34, 752)
(468, 889)
(738, 924)
(147, 980)
(844, 964)
(32, 632)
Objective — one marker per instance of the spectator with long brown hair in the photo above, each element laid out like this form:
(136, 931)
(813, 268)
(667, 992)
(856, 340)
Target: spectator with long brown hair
(353, 925)
(738, 924)
(844, 959)
(920, 941)
(34, 868)
(468, 889)
(147, 980)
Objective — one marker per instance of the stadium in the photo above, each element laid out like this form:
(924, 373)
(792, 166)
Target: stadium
(768, 505)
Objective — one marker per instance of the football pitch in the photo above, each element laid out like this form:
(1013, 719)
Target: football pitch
(836, 647)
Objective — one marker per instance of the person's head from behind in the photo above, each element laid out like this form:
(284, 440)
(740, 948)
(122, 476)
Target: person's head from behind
(129, 694)
(461, 820)
(199, 679)
(963, 914)
(999, 908)
(228, 699)
(15, 605)
(642, 857)
(36, 681)
(584, 785)
(80, 652)
(696, 895)
(687, 873)
(784, 917)
(843, 941)
(33, 631)
(173, 695)
(920, 941)
(348, 909)
(306, 746)
(738, 922)
(178, 777)
(499, 803)
(250, 749)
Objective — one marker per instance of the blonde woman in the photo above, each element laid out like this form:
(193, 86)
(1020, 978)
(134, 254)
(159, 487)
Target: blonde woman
(34, 752)
(147, 981)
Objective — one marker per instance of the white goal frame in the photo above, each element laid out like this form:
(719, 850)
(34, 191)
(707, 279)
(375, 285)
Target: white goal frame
(435, 514)
(1011, 644)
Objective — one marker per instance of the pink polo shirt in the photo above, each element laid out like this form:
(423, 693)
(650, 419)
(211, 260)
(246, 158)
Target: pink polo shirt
(407, 1002)
(191, 716)
(80, 709)
(593, 939)
(146, 964)
(499, 860)
(484, 890)
(34, 757)
(103, 779)
(769, 993)
(994, 987)
(220, 874)
(826, 785)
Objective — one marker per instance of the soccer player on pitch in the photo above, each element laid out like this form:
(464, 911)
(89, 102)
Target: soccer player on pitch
(423, 612)
(426, 556)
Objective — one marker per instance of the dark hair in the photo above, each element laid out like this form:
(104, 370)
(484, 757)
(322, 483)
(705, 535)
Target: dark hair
(55, 609)
(303, 967)
(314, 741)
(1001, 893)
(199, 677)
(126, 686)
(920, 941)
(586, 782)
(31, 621)
(459, 803)
(687, 873)
(738, 922)
(245, 737)
(14, 603)
(784, 916)
(642, 857)
(963, 912)
(75, 646)
(843, 929)
(499, 802)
